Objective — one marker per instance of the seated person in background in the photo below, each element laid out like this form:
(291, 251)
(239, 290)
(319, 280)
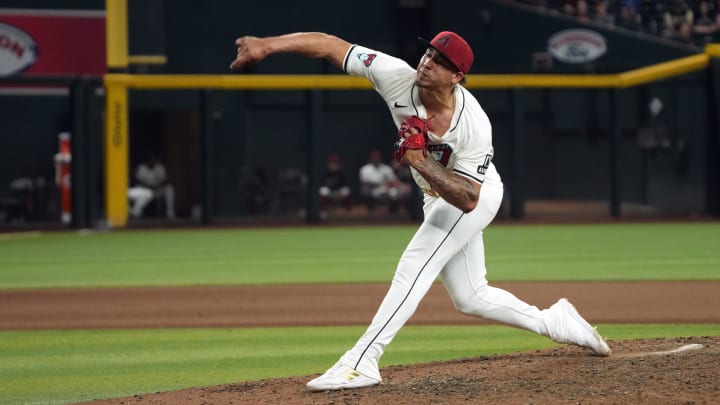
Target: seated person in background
(379, 184)
(254, 184)
(404, 185)
(151, 183)
(334, 188)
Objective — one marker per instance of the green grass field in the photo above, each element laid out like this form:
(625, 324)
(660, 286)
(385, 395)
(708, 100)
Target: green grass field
(70, 366)
(57, 367)
(669, 251)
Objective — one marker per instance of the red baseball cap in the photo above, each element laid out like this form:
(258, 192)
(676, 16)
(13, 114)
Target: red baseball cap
(453, 47)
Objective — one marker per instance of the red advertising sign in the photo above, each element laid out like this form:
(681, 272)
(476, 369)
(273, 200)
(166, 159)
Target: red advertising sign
(52, 42)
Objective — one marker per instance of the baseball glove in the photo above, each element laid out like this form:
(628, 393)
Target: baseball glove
(408, 140)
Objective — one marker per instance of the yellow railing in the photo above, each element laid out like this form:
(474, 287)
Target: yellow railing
(117, 84)
(342, 82)
(116, 35)
(621, 80)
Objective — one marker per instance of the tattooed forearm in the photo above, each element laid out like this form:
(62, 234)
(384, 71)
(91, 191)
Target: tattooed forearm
(455, 189)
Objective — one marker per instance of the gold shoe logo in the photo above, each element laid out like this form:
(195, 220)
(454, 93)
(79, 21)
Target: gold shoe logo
(351, 375)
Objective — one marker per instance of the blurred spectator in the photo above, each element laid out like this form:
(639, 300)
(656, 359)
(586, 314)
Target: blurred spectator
(334, 188)
(601, 15)
(652, 12)
(705, 25)
(568, 7)
(630, 3)
(677, 13)
(151, 183)
(582, 12)
(684, 33)
(578, 9)
(379, 184)
(629, 17)
(541, 4)
(692, 22)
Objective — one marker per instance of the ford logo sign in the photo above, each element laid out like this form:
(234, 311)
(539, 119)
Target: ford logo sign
(577, 46)
(18, 50)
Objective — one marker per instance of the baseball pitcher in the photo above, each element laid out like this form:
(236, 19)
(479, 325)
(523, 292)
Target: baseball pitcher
(446, 139)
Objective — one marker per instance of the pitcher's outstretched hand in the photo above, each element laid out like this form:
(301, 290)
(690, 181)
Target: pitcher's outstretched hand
(249, 50)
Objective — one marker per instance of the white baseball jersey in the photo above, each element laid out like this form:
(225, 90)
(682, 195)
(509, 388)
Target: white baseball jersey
(449, 243)
(466, 148)
(151, 176)
(376, 173)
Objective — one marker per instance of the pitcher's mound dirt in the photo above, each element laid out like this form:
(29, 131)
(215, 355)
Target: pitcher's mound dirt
(639, 372)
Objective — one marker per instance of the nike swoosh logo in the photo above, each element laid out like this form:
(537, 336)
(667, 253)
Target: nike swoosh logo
(396, 105)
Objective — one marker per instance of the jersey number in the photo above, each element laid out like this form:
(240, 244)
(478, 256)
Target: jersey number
(441, 153)
(486, 162)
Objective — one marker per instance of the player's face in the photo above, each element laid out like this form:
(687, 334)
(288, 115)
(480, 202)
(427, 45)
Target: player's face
(435, 70)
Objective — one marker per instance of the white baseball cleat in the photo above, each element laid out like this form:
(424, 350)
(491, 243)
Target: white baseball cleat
(565, 325)
(341, 377)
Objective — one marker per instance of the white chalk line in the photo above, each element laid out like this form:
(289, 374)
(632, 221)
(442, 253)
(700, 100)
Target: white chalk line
(694, 346)
(19, 235)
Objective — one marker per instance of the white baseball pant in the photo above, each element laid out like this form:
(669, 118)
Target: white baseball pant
(448, 244)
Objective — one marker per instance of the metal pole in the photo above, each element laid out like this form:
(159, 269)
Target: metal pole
(207, 143)
(613, 152)
(78, 164)
(517, 173)
(94, 139)
(312, 154)
(712, 200)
